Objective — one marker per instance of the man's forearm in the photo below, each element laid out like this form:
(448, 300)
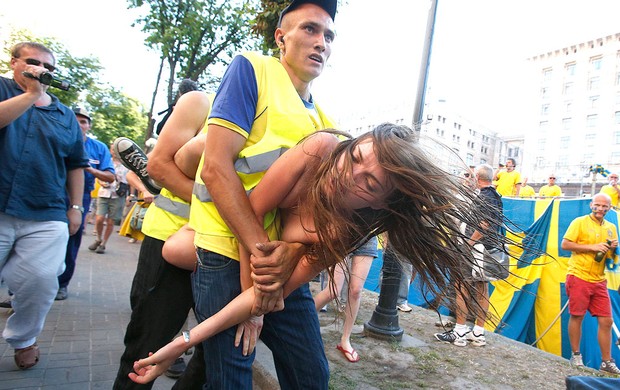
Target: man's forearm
(106, 176)
(75, 186)
(172, 178)
(15, 107)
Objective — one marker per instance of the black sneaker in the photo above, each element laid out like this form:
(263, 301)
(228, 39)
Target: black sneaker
(62, 294)
(134, 159)
(176, 369)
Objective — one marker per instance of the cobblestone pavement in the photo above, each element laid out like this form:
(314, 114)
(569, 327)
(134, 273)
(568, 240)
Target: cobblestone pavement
(83, 336)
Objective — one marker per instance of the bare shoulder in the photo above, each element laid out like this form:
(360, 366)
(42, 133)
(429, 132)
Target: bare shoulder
(321, 144)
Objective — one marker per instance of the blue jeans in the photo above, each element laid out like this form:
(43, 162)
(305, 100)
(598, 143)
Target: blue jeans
(292, 335)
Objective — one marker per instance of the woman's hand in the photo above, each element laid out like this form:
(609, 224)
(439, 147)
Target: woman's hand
(250, 330)
(148, 369)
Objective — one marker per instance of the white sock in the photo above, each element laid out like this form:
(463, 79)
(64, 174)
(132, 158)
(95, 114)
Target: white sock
(478, 330)
(461, 329)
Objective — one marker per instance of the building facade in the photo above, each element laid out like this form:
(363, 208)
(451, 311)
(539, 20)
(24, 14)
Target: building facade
(577, 119)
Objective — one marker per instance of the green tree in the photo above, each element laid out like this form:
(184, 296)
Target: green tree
(192, 35)
(114, 114)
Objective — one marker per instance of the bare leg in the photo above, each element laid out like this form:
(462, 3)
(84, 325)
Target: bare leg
(482, 298)
(179, 249)
(108, 230)
(188, 157)
(360, 266)
(327, 294)
(604, 337)
(574, 332)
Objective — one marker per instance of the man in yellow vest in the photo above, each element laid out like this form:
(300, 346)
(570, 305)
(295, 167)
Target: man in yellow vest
(263, 107)
(161, 294)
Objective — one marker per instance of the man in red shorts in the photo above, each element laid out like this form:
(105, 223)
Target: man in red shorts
(591, 239)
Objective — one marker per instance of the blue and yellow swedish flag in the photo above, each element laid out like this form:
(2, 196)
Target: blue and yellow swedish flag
(528, 305)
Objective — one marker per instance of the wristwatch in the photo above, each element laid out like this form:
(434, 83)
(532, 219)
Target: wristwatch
(76, 207)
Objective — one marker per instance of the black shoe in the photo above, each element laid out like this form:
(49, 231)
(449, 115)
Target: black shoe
(6, 304)
(62, 294)
(134, 159)
(176, 369)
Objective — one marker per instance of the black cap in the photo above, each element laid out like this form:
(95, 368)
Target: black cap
(328, 5)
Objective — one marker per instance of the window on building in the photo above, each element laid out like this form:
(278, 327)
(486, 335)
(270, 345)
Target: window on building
(617, 137)
(617, 78)
(570, 69)
(617, 117)
(590, 136)
(588, 158)
(615, 157)
(543, 125)
(544, 92)
(568, 106)
(544, 110)
(564, 141)
(547, 73)
(591, 120)
(540, 162)
(469, 159)
(594, 83)
(567, 89)
(596, 63)
(542, 143)
(563, 161)
(593, 101)
(567, 123)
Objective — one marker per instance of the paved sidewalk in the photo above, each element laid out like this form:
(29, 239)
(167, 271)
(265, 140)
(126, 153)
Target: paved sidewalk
(83, 336)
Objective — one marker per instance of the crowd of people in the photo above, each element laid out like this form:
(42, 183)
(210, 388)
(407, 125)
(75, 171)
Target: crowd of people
(248, 195)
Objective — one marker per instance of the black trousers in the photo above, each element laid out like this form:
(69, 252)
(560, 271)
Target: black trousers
(161, 298)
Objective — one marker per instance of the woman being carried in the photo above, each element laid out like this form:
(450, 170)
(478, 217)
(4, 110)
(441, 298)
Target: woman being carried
(333, 196)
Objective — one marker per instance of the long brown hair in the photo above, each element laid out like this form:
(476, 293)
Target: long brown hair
(422, 214)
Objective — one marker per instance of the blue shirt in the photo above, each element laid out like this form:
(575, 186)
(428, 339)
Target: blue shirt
(36, 152)
(99, 158)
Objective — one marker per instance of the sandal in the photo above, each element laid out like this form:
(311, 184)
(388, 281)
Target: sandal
(27, 357)
(351, 355)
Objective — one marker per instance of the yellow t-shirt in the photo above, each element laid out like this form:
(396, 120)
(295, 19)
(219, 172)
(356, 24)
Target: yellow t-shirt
(586, 230)
(613, 194)
(507, 182)
(550, 191)
(527, 192)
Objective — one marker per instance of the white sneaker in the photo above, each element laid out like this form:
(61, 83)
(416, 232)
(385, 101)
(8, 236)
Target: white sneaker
(476, 340)
(404, 307)
(576, 360)
(452, 337)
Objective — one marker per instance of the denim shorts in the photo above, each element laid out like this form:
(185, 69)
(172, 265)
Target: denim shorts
(368, 249)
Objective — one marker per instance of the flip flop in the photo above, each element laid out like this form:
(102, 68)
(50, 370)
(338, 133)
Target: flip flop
(351, 355)
(27, 357)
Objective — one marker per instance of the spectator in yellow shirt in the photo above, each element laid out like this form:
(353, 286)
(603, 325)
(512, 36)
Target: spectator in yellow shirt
(612, 189)
(508, 181)
(527, 191)
(550, 190)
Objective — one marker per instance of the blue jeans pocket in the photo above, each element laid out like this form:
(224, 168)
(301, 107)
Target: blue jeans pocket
(213, 261)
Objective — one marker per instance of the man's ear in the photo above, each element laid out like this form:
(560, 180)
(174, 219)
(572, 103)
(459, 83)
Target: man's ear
(279, 37)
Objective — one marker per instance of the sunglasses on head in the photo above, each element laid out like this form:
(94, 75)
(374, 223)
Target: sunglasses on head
(32, 61)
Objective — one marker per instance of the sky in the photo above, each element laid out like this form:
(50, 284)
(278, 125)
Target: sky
(478, 59)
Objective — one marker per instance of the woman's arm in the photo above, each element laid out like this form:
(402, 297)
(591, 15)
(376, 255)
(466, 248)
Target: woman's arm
(237, 311)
